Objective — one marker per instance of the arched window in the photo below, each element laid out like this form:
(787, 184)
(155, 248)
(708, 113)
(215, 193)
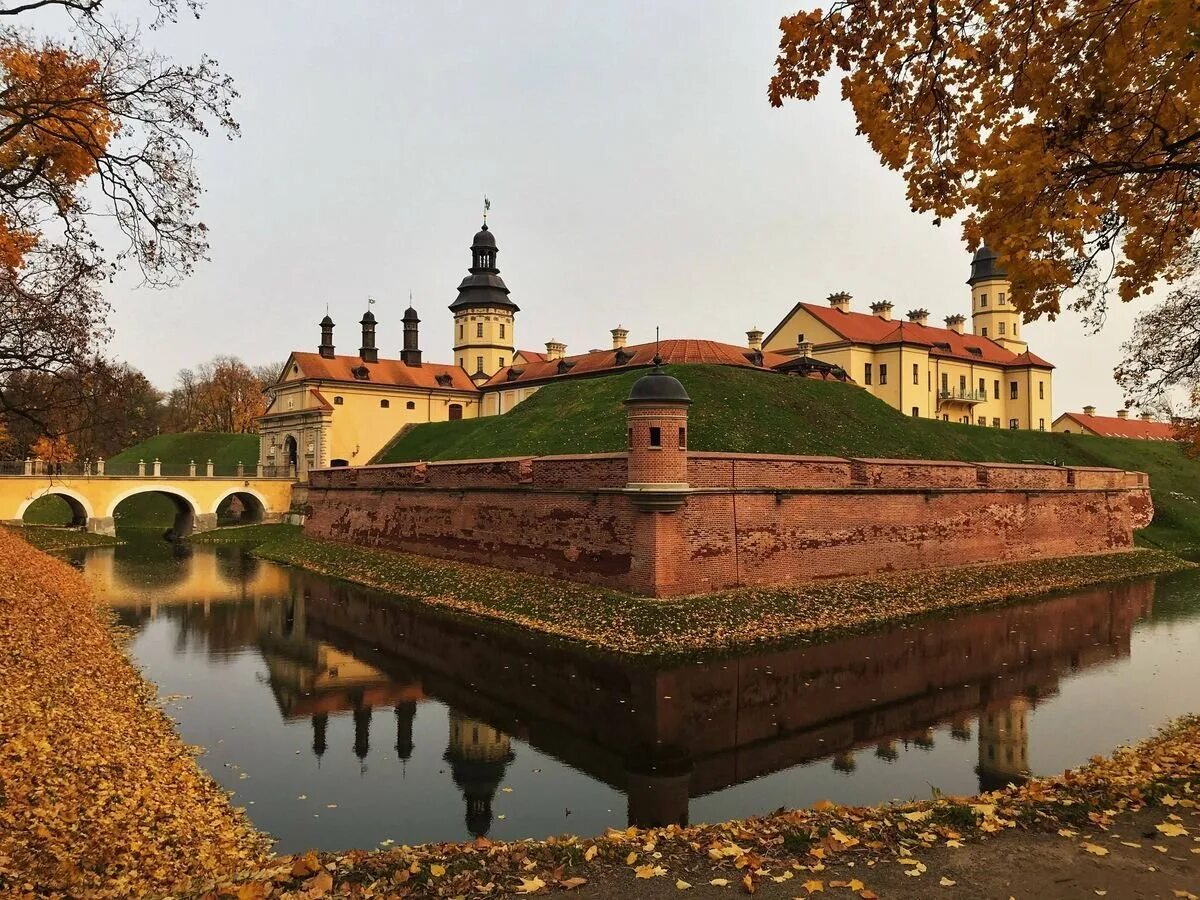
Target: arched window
(337, 401)
(384, 404)
(410, 405)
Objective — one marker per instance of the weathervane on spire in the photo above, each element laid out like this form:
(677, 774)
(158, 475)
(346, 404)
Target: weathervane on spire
(657, 355)
(487, 204)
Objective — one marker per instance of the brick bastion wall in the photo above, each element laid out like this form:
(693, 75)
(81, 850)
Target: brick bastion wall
(739, 520)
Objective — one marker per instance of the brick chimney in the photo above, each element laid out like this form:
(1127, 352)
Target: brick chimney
(805, 348)
(883, 309)
(619, 337)
(1122, 414)
(325, 348)
(555, 349)
(368, 352)
(919, 316)
(840, 301)
(955, 323)
(754, 339)
(1089, 410)
(411, 354)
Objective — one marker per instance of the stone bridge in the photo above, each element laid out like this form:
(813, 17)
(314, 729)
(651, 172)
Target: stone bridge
(93, 499)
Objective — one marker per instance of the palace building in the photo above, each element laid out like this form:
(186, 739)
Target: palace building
(986, 376)
(1144, 427)
(331, 409)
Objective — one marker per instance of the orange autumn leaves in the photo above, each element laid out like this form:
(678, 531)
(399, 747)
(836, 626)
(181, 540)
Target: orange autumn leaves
(1064, 129)
(54, 124)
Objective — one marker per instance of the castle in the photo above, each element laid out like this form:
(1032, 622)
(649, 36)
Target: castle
(329, 409)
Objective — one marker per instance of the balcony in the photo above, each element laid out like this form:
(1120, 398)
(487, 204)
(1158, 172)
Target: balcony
(962, 395)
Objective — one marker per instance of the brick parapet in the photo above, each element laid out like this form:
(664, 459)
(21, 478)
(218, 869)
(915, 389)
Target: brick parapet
(748, 520)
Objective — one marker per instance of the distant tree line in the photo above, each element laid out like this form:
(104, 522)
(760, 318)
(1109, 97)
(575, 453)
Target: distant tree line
(101, 407)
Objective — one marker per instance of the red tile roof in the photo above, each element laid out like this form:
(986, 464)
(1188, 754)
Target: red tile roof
(532, 355)
(1112, 426)
(388, 372)
(673, 352)
(861, 328)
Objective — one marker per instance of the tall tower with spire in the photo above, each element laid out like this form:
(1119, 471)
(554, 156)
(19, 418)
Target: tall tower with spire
(992, 312)
(483, 313)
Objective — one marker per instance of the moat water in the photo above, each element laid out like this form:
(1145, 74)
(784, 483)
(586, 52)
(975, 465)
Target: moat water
(341, 718)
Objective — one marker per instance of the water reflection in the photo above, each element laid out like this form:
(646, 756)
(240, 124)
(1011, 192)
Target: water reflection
(952, 703)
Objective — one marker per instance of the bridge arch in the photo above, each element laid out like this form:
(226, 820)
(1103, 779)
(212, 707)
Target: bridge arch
(187, 510)
(254, 504)
(81, 507)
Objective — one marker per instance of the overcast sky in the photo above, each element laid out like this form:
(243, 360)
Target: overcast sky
(636, 172)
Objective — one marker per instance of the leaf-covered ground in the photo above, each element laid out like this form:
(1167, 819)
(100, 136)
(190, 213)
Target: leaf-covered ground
(615, 622)
(98, 796)
(1138, 806)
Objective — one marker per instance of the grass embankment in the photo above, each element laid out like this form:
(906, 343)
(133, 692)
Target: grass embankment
(99, 794)
(620, 623)
(51, 539)
(1121, 827)
(746, 411)
(225, 450)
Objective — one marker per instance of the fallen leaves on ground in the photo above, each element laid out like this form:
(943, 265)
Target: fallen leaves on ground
(99, 793)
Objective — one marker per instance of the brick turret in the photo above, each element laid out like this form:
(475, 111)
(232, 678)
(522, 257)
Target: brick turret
(657, 417)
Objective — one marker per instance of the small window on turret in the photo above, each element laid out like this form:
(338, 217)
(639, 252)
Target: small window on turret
(682, 438)
(655, 436)
(1000, 328)
(983, 299)
(478, 329)
(984, 333)
(501, 333)
(1002, 300)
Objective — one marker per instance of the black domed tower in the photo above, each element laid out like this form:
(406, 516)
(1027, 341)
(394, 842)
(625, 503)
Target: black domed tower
(483, 313)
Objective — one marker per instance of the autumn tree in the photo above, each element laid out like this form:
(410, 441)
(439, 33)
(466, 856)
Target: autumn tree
(223, 394)
(1066, 132)
(55, 449)
(101, 407)
(93, 127)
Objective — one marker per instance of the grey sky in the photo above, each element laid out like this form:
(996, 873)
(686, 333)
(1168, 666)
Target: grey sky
(636, 172)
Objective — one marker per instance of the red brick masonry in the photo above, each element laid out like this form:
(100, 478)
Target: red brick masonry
(749, 520)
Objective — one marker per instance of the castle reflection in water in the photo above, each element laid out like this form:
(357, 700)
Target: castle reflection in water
(661, 735)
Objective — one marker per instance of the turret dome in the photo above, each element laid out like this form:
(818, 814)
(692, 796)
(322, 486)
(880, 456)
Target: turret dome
(985, 265)
(484, 238)
(656, 386)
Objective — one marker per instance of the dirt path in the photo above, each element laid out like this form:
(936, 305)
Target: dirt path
(1011, 865)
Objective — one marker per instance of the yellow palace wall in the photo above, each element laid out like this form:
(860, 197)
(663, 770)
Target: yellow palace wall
(1031, 408)
(364, 426)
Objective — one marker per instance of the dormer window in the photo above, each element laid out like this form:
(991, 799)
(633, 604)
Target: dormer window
(444, 379)
(514, 373)
(361, 373)
(622, 356)
(565, 366)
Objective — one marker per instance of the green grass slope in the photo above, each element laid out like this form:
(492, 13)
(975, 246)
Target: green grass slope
(225, 450)
(743, 410)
